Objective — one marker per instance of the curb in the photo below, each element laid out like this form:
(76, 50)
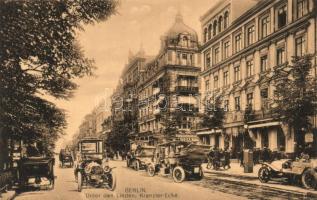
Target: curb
(232, 175)
(307, 193)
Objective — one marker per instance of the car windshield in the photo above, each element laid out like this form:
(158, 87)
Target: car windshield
(89, 147)
(147, 152)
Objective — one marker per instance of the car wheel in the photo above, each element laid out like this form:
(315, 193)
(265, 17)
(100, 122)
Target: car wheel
(308, 179)
(79, 181)
(112, 181)
(264, 174)
(178, 174)
(151, 170)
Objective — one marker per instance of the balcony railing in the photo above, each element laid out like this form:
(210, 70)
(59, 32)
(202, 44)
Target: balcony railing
(186, 89)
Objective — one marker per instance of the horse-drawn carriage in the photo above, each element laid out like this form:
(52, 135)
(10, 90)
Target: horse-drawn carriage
(92, 167)
(65, 158)
(181, 160)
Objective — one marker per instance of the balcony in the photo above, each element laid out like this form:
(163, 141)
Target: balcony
(186, 89)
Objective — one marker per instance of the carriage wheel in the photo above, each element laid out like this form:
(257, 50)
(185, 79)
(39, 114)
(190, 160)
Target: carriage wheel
(112, 181)
(264, 175)
(79, 181)
(308, 179)
(178, 174)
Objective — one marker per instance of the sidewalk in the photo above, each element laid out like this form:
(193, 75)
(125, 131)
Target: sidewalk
(236, 175)
(235, 171)
(9, 195)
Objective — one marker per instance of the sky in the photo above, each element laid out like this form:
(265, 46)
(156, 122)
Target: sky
(137, 23)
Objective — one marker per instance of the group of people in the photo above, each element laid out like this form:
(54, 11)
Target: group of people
(219, 158)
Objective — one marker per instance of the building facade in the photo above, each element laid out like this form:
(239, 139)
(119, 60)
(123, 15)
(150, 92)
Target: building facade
(242, 46)
(169, 86)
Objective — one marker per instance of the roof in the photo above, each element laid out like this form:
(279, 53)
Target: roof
(180, 27)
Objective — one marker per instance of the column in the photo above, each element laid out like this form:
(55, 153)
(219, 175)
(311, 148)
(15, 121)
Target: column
(273, 139)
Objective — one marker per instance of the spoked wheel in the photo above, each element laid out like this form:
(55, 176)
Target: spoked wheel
(151, 170)
(209, 164)
(178, 174)
(79, 181)
(308, 179)
(112, 181)
(264, 175)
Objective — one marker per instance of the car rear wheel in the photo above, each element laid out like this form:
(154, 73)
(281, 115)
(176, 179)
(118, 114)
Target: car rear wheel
(79, 181)
(264, 175)
(308, 179)
(178, 174)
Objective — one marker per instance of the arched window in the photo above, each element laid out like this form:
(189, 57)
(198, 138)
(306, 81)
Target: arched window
(205, 35)
(215, 27)
(209, 31)
(226, 19)
(185, 41)
(220, 24)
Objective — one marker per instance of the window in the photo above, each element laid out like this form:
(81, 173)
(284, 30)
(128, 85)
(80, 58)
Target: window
(265, 26)
(220, 24)
(300, 48)
(280, 55)
(302, 8)
(238, 42)
(251, 35)
(169, 55)
(215, 28)
(226, 20)
(216, 55)
(205, 34)
(226, 105)
(207, 85)
(263, 63)
(264, 93)
(282, 16)
(185, 41)
(237, 73)
(226, 50)
(237, 103)
(225, 78)
(250, 100)
(215, 81)
(209, 31)
(207, 60)
(250, 68)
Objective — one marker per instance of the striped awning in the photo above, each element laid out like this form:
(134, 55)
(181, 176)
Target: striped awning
(267, 124)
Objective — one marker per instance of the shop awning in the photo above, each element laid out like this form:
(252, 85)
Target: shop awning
(209, 132)
(267, 124)
(187, 100)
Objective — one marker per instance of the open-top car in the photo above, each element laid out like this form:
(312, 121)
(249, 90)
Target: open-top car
(92, 167)
(65, 158)
(180, 159)
(302, 171)
(141, 158)
(37, 172)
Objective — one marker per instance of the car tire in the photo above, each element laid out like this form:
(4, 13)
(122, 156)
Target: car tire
(113, 185)
(308, 179)
(264, 175)
(178, 174)
(79, 181)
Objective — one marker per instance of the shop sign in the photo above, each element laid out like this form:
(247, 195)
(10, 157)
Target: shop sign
(309, 137)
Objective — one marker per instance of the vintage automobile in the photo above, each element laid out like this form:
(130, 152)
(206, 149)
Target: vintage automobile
(36, 172)
(65, 158)
(181, 160)
(301, 170)
(141, 158)
(92, 168)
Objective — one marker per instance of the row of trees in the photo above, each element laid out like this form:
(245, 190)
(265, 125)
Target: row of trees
(294, 101)
(39, 58)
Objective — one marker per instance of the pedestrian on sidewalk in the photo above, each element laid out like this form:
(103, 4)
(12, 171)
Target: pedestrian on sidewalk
(241, 157)
(227, 158)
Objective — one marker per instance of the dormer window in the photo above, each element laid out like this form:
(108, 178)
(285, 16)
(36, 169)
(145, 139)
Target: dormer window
(209, 31)
(205, 34)
(215, 28)
(220, 24)
(185, 41)
(226, 20)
